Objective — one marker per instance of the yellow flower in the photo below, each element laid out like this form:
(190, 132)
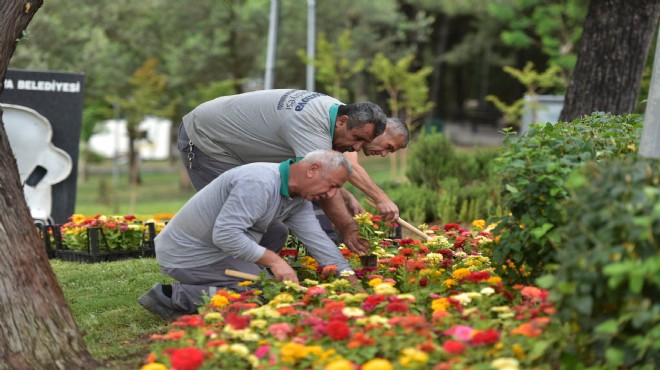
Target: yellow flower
(413, 357)
(460, 273)
(385, 289)
(219, 300)
(518, 350)
(291, 352)
(340, 364)
(495, 280)
(478, 224)
(375, 281)
(213, 316)
(440, 304)
(245, 283)
(378, 364)
(154, 366)
(450, 283)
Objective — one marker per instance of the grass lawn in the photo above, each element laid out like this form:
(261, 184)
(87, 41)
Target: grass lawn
(103, 300)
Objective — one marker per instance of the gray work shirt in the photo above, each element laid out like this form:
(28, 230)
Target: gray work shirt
(263, 126)
(229, 216)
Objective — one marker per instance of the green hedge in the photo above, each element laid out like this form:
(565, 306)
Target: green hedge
(606, 284)
(534, 167)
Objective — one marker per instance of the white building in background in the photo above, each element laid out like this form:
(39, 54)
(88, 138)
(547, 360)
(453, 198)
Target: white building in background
(112, 139)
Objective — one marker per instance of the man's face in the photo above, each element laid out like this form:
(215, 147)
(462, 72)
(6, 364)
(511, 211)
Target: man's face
(346, 140)
(383, 144)
(322, 184)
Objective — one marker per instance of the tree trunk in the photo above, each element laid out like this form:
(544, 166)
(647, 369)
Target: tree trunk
(37, 330)
(650, 143)
(611, 57)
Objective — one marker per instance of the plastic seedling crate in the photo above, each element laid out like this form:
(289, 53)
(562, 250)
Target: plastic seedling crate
(50, 234)
(98, 249)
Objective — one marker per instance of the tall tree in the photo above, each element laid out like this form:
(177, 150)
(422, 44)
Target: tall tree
(611, 57)
(37, 330)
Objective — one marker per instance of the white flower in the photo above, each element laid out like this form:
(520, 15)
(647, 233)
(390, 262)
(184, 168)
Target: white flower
(487, 291)
(352, 312)
(505, 363)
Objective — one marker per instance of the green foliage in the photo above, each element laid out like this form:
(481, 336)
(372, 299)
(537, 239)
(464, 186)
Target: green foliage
(535, 83)
(554, 28)
(334, 66)
(417, 203)
(606, 284)
(463, 183)
(534, 169)
(408, 91)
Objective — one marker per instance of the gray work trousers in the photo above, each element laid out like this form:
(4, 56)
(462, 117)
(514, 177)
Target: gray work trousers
(197, 282)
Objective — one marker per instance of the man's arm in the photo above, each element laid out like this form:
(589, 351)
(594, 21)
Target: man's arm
(337, 212)
(362, 181)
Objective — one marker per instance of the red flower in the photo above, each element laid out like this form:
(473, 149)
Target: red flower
(372, 301)
(337, 330)
(404, 242)
(129, 218)
(189, 321)
(452, 227)
(478, 276)
(423, 281)
(397, 261)
(238, 322)
(488, 336)
(406, 252)
(397, 306)
(187, 358)
(454, 347)
(361, 339)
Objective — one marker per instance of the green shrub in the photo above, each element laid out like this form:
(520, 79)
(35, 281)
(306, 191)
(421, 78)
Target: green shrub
(433, 158)
(534, 167)
(606, 284)
(417, 204)
(465, 186)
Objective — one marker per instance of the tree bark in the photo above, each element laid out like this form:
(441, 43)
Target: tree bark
(611, 57)
(650, 143)
(37, 330)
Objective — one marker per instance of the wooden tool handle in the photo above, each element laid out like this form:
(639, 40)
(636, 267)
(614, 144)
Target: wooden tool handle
(403, 223)
(252, 277)
(241, 275)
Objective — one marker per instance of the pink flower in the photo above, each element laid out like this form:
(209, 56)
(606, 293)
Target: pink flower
(461, 332)
(280, 330)
(262, 351)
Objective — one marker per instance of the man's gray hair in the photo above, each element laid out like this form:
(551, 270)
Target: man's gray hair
(329, 159)
(362, 113)
(396, 127)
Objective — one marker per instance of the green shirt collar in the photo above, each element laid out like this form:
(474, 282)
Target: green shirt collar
(285, 168)
(333, 118)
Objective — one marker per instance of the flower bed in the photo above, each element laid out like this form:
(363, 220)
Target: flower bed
(103, 238)
(432, 305)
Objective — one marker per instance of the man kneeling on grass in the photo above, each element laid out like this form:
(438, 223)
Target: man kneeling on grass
(219, 227)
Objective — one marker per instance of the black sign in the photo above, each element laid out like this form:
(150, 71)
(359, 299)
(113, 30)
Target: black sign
(59, 98)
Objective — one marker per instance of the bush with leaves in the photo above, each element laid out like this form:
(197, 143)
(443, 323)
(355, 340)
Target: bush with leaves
(534, 168)
(606, 283)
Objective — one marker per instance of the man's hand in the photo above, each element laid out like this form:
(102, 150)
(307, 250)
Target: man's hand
(352, 240)
(387, 209)
(353, 280)
(278, 266)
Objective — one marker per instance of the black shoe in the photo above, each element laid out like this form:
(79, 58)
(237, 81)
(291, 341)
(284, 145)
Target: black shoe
(157, 303)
